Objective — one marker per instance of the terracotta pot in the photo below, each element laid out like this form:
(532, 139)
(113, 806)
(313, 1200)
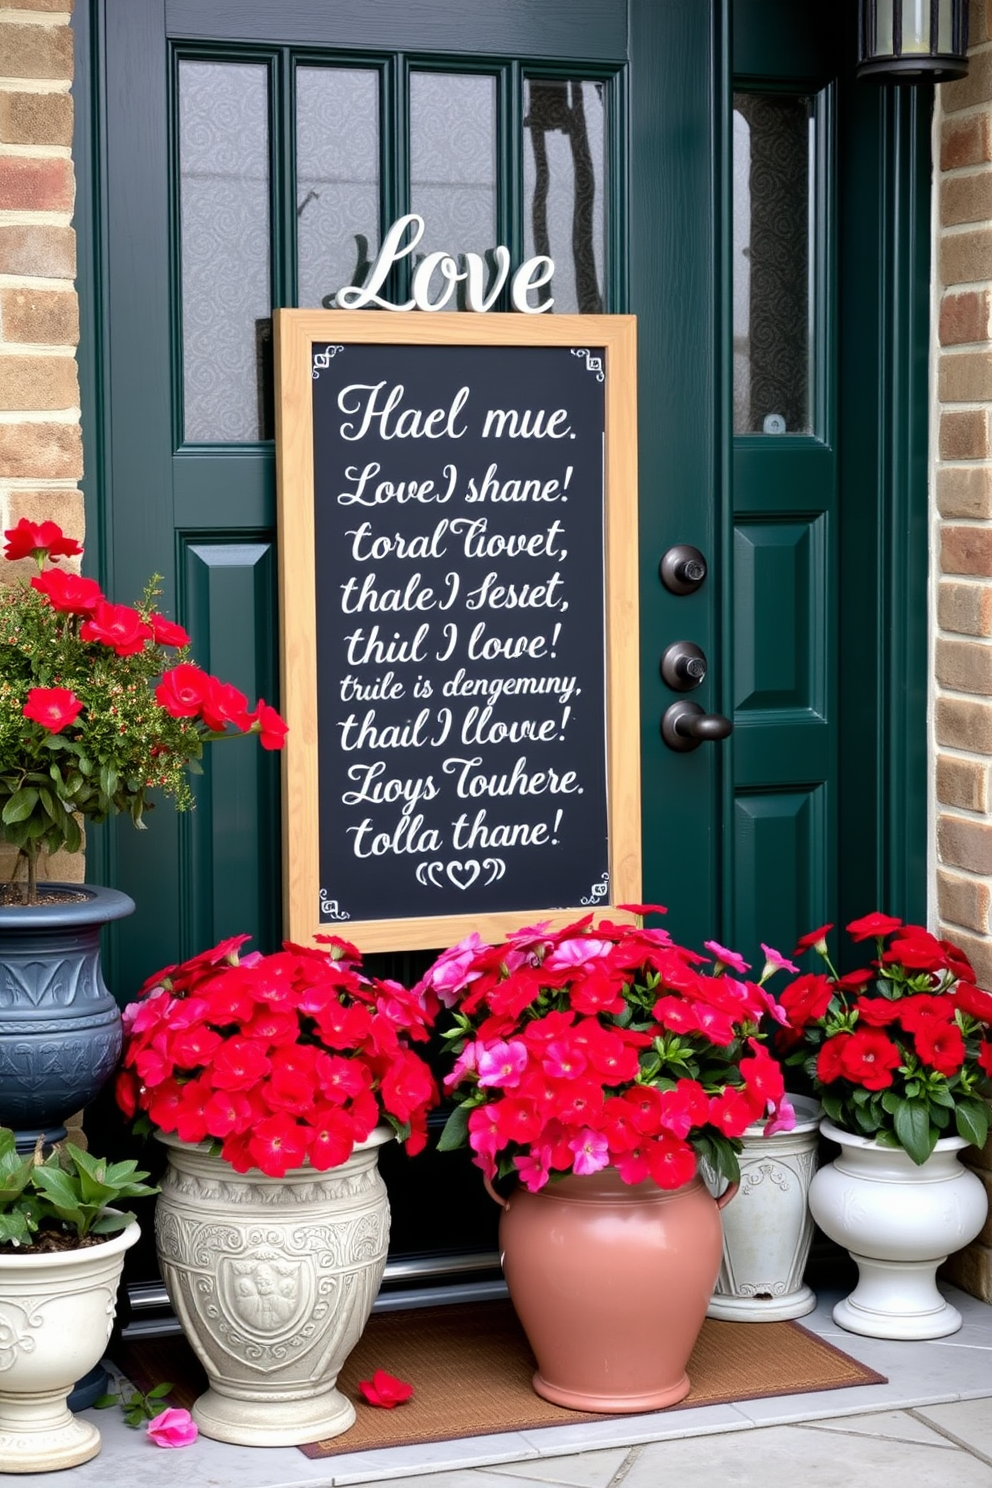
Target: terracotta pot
(611, 1283)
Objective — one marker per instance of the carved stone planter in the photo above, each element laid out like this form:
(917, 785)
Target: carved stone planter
(273, 1280)
(768, 1229)
(56, 1313)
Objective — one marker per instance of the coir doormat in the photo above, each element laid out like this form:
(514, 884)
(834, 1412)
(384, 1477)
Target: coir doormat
(471, 1367)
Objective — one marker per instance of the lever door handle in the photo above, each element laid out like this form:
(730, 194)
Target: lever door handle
(685, 726)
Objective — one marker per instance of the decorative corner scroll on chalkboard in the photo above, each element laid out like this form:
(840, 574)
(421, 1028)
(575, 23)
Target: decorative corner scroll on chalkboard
(458, 580)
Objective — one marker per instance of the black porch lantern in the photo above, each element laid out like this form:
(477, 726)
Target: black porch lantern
(912, 41)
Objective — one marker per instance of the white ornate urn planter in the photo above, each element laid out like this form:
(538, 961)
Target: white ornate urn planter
(767, 1230)
(56, 1313)
(273, 1280)
(899, 1221)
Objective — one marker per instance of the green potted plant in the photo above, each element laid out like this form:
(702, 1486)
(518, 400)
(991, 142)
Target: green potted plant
(900, 1054)
(272, 1082)
(100, 708)
(595, 1067)
(62, 1244)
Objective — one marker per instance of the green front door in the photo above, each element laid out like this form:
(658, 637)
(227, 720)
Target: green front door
(710, 167)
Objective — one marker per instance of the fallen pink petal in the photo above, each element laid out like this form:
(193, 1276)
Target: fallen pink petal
(173, 1428)
(385, 1390)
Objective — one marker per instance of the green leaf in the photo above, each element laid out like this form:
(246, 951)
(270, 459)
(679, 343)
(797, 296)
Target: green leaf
(104, 1402)
(912, 1124)
(455, 1132)
(972, 1120)
(20, 805)
(159, 1392)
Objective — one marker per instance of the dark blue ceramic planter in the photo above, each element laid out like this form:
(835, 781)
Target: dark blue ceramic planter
(60, 1029)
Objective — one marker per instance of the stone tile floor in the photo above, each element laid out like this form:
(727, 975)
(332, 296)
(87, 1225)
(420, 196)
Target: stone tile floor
(930, 1425)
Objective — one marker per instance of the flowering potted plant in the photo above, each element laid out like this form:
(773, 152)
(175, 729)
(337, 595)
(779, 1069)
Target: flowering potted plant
(900, 1052)
(62, 1245)
(100, 707)
(600, 1057)
(272, 1081)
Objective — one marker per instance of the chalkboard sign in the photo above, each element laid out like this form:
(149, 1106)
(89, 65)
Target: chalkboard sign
(459, 622)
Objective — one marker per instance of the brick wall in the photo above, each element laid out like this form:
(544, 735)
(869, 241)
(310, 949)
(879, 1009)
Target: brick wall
(961, 898)
(41, 457)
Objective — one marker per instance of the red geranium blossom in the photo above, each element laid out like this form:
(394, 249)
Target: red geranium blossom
(872, 925)
(116, 626)
(35, 539)
(68, 593)
(53, 707)
(868, 1059)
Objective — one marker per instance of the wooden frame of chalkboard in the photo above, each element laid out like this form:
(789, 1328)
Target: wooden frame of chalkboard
(459, 622)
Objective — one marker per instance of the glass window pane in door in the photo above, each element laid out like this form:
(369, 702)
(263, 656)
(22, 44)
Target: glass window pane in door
(337, 178)
(224, 245)
(564, 165)
(772, 234)
(453, 164)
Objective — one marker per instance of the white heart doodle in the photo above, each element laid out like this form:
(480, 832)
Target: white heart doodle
(462, 875)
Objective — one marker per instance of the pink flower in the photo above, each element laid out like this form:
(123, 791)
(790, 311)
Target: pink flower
(728, 958)
(501, 1064)
(173, 1428)
(533, 1168)
(591, 1151)
(775, 961)
(385, 1390)
(783, 1118)
(452, 971)
(578, 952)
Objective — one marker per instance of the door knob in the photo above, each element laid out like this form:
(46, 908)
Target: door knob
(684, 726)
(683, 666)
(682, 569)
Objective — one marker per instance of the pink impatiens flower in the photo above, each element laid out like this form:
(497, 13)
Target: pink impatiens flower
(775, 961)
(501, 1063)
(727, 958)
(591, 1150)
(172, 1428)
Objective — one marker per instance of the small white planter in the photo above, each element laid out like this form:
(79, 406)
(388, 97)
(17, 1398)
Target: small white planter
(56, 1313)
(899, 1222)
(767, 1229)
(273, 1280)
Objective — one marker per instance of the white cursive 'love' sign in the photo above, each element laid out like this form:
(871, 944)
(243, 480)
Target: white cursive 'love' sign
(533, 273)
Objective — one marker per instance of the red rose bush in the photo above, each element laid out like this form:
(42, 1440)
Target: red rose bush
(282, 1060)
(900, 1050)
(604, 1046)
(99, 703)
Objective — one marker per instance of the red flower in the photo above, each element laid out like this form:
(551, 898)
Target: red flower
(333, 1139)
(224, 704)
(239, 1063)
(877, 1012)
(941, 1045)
(829, 1061)
(806, 999)
(53, 707)
(812, 938)
(167, 632)
(68, 593)
(278, 1143)
(385, 1390)
(671, 1162)
(266, 722)
(974, 1001)
(116, 626)
(985, 1057)
(869, 1058)
(37, 539)
(872, 925)
(917, 950)
(182, 690)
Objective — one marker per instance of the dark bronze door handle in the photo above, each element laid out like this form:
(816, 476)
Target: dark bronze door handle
(684, 726)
